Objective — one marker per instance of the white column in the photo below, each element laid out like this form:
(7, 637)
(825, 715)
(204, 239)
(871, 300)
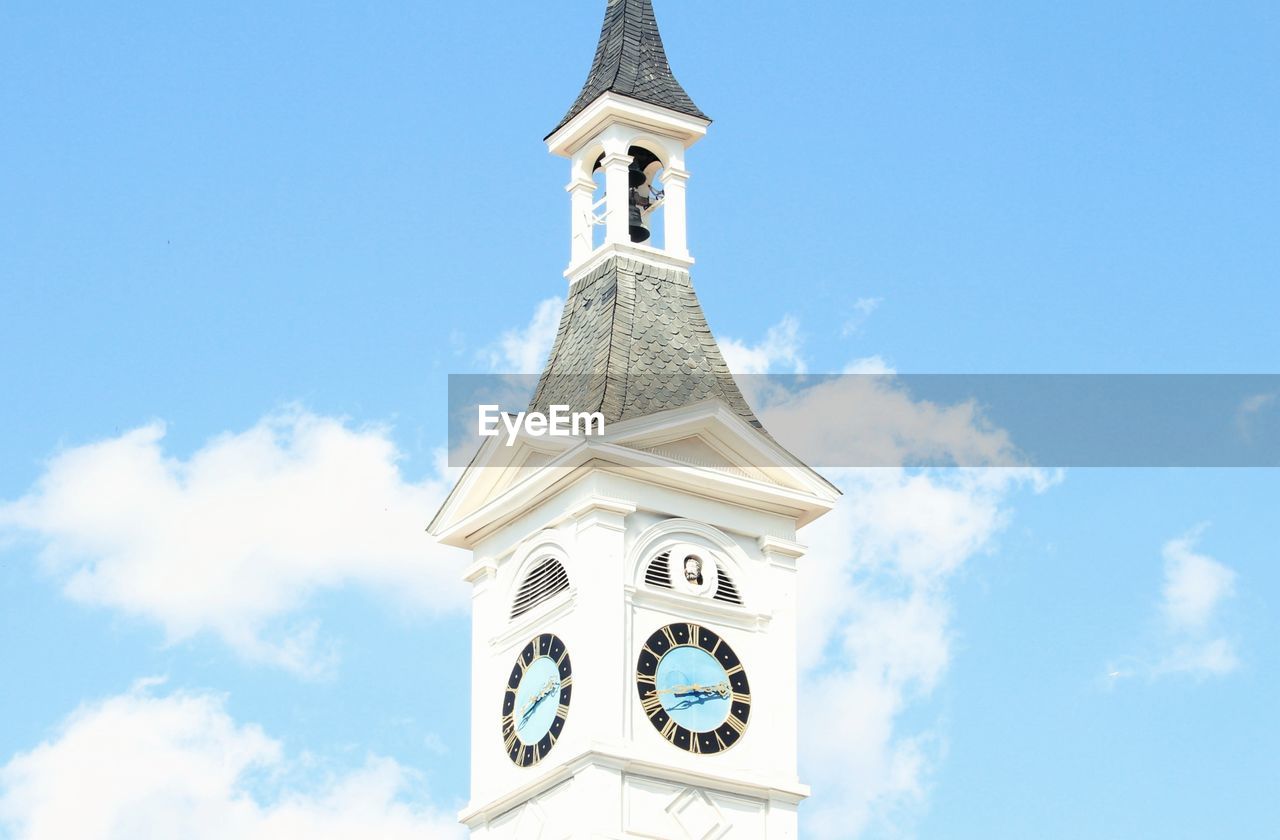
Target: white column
(581, 230)
(617, 185)
(675, 238)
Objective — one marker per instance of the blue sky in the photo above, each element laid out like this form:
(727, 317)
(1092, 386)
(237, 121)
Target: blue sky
(253, 239)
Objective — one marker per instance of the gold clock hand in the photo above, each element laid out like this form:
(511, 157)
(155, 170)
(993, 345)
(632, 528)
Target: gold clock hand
(720, 688)
(537, 698)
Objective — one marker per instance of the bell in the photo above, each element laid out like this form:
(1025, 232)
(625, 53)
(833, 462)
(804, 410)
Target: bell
(635, 172)
(639, 233)
(637, 201)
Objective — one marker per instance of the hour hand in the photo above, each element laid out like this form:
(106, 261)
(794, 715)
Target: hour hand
(719, 689)
(532, 705)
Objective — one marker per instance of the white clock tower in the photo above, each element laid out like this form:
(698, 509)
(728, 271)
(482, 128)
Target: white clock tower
(634, 593)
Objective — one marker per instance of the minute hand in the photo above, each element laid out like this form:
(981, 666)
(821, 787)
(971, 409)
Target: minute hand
(547, 690)
(720, 688)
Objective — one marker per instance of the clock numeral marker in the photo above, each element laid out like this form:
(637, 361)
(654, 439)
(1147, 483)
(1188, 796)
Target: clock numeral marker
(694, 631)
(735, 670)
(652, 704)
(739, 697)
(562, 711)
(566, 682)
(671, 637)
(737, 725)
(669, 731)
(695, 746)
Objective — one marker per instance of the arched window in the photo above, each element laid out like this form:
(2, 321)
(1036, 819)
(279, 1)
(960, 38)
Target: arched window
(545, 581)
(658, 575)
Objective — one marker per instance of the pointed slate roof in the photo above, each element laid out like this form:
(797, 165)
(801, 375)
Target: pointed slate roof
(631, 61)
(633, 341)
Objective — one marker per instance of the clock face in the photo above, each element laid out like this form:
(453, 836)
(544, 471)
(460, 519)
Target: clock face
(693, 688)
(535, 703)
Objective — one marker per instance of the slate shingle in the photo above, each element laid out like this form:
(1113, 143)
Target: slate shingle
(633, 341)
(631, 61)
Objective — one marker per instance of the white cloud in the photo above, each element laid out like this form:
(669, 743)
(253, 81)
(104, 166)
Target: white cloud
(1249, 414)
(1195, 587)
(1207, 658)
(873, 421)
(1194, 584)
(862, 309)
(875, 365)
(525, 349)
(234, 539)
(779, 350)
(138, 767)
(1189, 642)
(875, 633)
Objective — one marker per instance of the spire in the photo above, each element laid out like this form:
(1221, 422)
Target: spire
(630, 61)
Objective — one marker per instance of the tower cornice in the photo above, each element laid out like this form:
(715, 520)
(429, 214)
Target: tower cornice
(615, 108)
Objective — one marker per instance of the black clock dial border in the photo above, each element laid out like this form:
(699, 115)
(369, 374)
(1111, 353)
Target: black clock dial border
(661, 642)
(524, 754)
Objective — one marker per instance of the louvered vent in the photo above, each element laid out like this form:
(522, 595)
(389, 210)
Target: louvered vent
(659, 575)
(726, 589)
(659, 572)
(547, 580)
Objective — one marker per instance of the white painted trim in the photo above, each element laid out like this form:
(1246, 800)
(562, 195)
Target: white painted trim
(785, 548)
(672, 532)
(599, 754)
(619, 506)
(803, 505)
(681, 607)
(542, 615)
(626, 250)
(583, 128)
(536, 547)
(480, 570)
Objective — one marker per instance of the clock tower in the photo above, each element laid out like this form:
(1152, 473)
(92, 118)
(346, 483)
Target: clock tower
(634, 592)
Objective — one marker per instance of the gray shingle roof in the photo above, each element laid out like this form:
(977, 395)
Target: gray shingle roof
(633, 341)
(631, 61)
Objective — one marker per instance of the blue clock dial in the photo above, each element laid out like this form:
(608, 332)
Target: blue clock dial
(536, 699)
(693, 688)
(535, 703)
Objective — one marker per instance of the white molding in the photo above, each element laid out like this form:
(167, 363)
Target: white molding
(543, 614)
(764, 789)
(671, 532)
(814, 496)
(681, 607)
(480, 571)
(592, 503)
(533, 549)
(610, 106)
(625, 250)
(780, 552)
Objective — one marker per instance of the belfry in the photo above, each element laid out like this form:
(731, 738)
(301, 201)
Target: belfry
(634, 594)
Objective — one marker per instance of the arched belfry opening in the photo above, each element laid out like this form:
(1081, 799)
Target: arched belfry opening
(645, 198)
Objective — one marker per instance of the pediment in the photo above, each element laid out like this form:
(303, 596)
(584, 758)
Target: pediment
(718, 440)
(704, 448)
(495, 470)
